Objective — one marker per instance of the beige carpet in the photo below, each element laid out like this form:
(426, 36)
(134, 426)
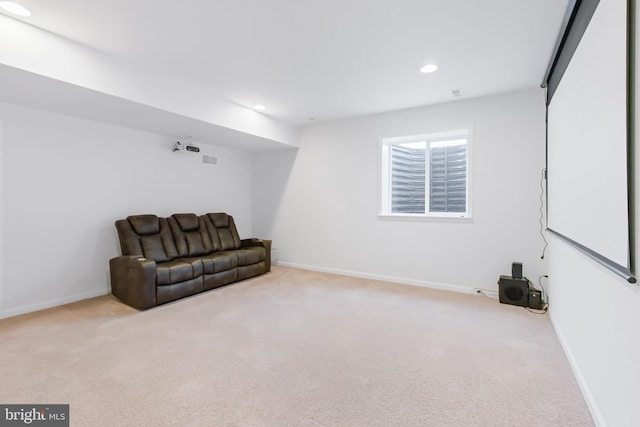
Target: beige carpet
(294, 348)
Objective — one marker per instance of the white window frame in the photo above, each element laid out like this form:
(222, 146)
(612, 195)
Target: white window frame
(384, 205)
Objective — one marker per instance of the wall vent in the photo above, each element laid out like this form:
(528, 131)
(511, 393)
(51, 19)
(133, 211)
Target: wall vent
(209, 159)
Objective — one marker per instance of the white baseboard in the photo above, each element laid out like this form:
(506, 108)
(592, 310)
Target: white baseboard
(598, 419)
(395, 279)
(52, 303)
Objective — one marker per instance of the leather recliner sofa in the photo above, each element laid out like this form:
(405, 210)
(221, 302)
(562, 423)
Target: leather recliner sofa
(165, 259)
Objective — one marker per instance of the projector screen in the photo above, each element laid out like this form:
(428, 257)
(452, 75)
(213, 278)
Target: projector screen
(588, 135)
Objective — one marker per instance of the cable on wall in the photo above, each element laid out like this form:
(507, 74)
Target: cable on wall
(544, 249)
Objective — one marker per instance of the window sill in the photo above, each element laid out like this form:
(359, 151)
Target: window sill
(426, 218)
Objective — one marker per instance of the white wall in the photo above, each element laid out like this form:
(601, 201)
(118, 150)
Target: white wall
(597, 317)
(66, 180)
(319, 204)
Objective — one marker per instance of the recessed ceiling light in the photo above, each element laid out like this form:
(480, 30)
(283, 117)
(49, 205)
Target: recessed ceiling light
(259, 107)
(15, 8)
(429, 68)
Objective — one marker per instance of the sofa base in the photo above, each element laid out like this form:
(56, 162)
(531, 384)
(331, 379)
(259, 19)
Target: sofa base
(168, 293)
(212, 281)
(247, 271)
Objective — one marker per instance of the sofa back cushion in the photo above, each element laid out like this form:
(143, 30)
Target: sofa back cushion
(145, 225)
(146, 235)
(222, 231)
(191, 235)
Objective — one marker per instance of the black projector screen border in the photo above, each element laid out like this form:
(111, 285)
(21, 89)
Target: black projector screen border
(575, 25)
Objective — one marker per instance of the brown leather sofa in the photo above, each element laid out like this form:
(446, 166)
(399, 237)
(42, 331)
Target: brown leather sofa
(164, 259)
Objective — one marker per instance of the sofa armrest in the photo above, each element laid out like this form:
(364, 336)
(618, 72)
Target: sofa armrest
(246, 243)
(266, 244)
(133, 280)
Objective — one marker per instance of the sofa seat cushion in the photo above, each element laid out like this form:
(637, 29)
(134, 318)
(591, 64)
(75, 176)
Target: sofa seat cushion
(251, 255)
(179, 270)
(219, 261)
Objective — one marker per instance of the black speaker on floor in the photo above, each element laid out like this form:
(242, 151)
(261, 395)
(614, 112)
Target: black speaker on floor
(514, 291)
(535, 299)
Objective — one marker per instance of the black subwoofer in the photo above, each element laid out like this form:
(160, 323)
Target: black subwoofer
(514, 291)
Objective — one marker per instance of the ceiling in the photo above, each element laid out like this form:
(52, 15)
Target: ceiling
(312, 61)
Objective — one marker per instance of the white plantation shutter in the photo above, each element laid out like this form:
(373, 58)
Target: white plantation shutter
(407, 179)
(448, 178)
(426, 174)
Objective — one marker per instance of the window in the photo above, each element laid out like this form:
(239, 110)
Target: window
(426, 175)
